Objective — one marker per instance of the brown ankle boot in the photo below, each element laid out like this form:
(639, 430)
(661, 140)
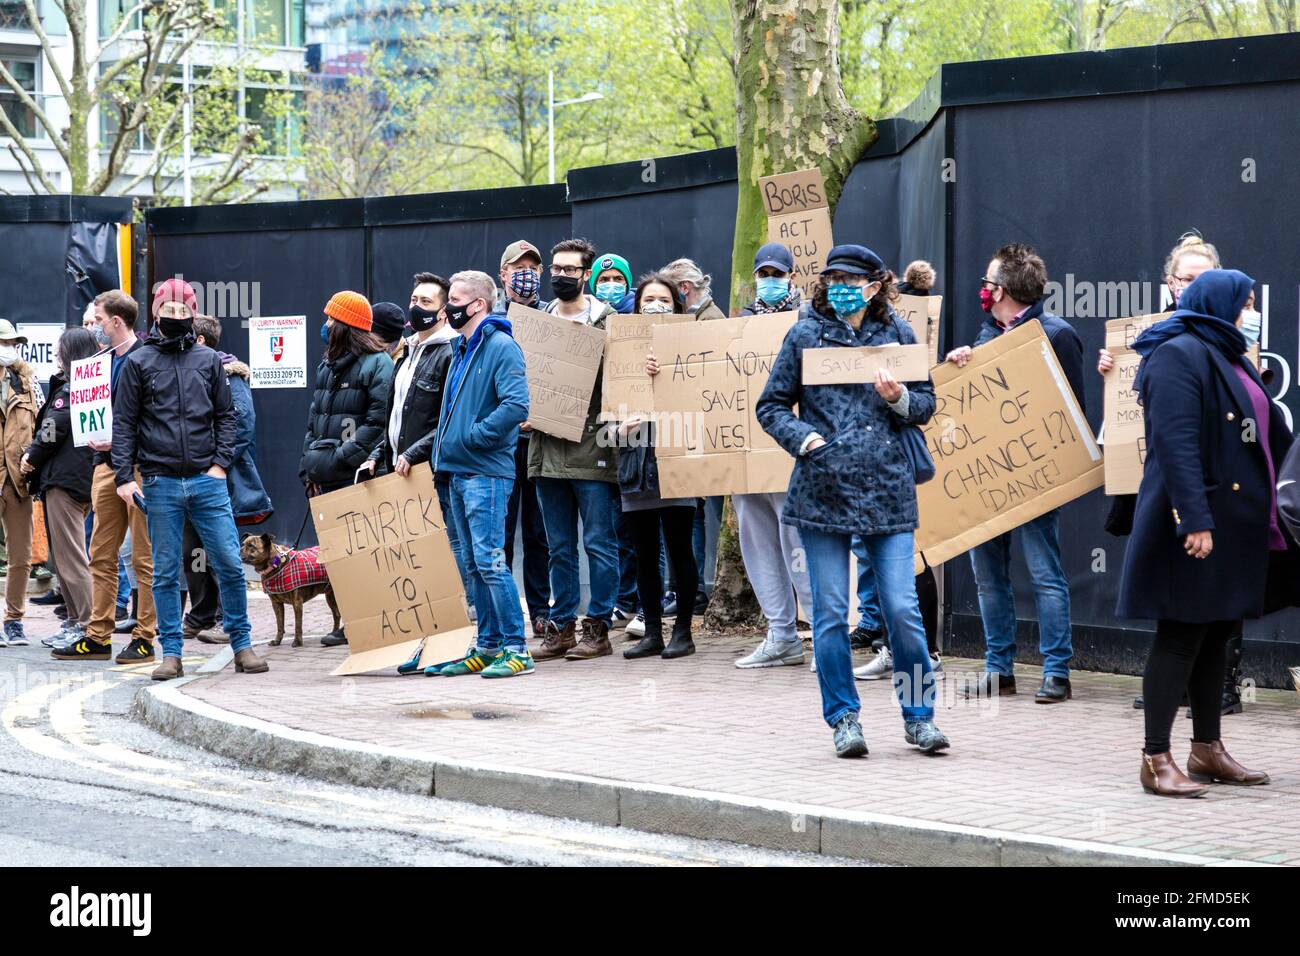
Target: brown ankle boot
(168, 669)
(556, 642)
(594, 642)
(1210, 763)
(1161, 776)
(246, 662)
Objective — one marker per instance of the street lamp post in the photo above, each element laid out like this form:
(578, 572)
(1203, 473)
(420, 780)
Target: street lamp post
(550, 118)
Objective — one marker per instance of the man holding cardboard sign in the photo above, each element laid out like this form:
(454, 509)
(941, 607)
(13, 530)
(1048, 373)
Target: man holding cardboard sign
(1011, 294)
(577, 475)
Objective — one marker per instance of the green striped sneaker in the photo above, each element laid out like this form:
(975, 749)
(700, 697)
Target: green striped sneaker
(472, 663)
(510, 664)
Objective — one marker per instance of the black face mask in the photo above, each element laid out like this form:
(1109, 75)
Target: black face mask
(566, 288)
(458, 315)
(422, 319)
(174, 328)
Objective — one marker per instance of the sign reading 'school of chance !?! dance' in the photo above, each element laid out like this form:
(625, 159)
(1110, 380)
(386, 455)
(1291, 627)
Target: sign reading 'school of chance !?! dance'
(1009, 443)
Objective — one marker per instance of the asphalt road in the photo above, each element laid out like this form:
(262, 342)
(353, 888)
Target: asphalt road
(82, 784)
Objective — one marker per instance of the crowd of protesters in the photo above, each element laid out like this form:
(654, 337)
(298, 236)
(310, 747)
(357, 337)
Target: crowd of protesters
(443, 382)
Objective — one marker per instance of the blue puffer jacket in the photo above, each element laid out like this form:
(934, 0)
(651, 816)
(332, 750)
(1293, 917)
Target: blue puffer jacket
(483, 405)
(860, 481)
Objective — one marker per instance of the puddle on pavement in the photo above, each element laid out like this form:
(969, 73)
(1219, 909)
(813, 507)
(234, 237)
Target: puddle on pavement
(457, 713)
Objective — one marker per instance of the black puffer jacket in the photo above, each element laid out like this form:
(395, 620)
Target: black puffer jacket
(57, 463)
(347, 418)
(172, 412)
(421, 408)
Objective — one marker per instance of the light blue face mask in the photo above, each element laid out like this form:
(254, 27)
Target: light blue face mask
(845, 299)
(1251, 323)
(772, 289)
(610, 292)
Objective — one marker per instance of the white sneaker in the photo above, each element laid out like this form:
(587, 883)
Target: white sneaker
(635, 627)
(882, 665)
(774, 654)
(936, 662)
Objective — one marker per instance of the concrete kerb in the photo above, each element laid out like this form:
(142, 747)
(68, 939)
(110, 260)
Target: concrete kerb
(769, 824)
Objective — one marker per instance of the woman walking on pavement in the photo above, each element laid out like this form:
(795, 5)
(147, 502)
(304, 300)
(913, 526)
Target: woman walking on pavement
(853, 477)
(1206, 543)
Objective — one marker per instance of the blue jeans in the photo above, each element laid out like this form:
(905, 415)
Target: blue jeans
(868, 596)
(442, 484)
(890, 556)
(992, 564)
(478, 509)
(205, 501)
(563, 500)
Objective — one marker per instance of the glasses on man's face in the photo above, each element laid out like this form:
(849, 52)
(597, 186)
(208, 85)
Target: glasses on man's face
(990, 284)
(571, 271)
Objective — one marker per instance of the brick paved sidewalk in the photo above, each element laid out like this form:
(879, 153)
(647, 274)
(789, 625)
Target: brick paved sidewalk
(1067, 771)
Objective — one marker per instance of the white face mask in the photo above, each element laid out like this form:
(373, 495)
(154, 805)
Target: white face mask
(8, 355)
(1250, 326)
(656, 308)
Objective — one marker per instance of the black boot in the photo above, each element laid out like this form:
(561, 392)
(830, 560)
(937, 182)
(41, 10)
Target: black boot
(681, 645)
(649, 646)
(1231, 701)
(128, 625)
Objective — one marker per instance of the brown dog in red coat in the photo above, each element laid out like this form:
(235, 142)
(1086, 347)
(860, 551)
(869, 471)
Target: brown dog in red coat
(288, 577)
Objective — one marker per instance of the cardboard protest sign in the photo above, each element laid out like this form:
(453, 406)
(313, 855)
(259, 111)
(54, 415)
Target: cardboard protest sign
(277, 351)
(850, 366)
(385, 547)
(711, 374)
(1123, 427)
(1009, 443)
(563, 359)
(921, 312)
(89, 399)
(799, 218)
(626, 389)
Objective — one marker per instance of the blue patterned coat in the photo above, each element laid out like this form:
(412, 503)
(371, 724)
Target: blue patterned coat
(860, 481)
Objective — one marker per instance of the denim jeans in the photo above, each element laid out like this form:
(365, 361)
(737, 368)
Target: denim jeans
(442, 484)
(526, 511)
(708, 525)
(890, 556)
(563, 500)
(478, 508)
(205, 502)
(868, 596)
(992, 564)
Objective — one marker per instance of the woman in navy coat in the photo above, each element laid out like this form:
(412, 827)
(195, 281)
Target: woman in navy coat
(1205, 531)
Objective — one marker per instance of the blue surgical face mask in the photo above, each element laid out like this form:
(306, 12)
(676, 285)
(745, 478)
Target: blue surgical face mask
(1250, 326)
(772, 289)
(325, 331)
(845, 299)
(610, 291)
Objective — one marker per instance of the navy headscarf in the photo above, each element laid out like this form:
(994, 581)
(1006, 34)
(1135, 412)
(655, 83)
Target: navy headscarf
(1208, 309)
